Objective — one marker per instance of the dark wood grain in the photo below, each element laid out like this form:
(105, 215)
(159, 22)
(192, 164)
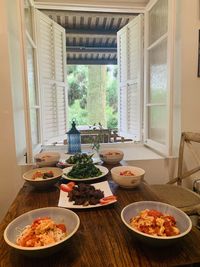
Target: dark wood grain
(102, 240)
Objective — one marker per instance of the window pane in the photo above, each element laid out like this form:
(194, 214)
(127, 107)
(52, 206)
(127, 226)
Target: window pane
(158, 123)
(31, 75)
(158, 20)
(34, 126)
(28, 17)
(158, 73)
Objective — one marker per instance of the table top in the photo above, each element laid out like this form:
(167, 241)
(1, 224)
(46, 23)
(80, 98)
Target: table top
(102, 239)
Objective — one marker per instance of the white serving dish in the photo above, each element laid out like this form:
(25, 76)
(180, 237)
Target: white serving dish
(59, 215)
(130, 181)
(183, 222)
(111, 156)
(43, 183)
(47, 158)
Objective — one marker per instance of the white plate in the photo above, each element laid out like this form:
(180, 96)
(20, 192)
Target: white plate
(103, 186)
(103, 169)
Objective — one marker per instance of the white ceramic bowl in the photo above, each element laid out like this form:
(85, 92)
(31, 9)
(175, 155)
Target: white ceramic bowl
(183, 222)
(111, 156)
(59, 215)
(45, 159)
(129, 181)
(43, 183)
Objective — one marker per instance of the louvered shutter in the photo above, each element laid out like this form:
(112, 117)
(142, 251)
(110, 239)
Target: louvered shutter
(51, 57)
(122, 74)
(130, 58)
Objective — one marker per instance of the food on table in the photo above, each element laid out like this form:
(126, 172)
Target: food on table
(38, 175)
(85, 170)
(155, 223)
(112, 153)
(107, 199)
(67, 187)
(127, 173)
(43, 231)
(43, 158)
(80, 158)
(85, 194)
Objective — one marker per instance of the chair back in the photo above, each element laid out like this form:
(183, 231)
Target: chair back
(187, 138)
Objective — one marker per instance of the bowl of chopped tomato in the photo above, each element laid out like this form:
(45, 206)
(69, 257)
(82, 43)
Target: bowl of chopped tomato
(41, 232)
(111, 156)
(42, 178)
(156, 223)
(127, 176)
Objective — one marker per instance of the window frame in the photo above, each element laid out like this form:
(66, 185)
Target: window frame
(31, 150)
(167, 148)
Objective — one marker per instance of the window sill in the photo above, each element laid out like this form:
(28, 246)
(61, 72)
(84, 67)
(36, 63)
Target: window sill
(131, 150)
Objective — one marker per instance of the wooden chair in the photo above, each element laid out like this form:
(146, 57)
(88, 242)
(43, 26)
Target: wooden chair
(173, 192)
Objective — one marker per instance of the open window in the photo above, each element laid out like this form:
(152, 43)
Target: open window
(145, 97)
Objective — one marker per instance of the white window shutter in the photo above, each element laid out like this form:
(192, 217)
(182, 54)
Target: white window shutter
(52, 66)
(122, 74)
(130, 62)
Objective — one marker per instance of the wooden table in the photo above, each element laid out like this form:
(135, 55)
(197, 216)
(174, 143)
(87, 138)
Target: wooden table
(102, 239)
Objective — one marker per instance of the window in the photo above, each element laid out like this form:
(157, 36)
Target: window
(158, 109)
(33, 94)
(143, 115)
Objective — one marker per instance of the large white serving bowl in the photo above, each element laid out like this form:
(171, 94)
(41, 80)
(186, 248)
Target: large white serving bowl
(183, 222)
(43, 183)
(111, 156)
(47, 158)
(59, 215)
(127, 181)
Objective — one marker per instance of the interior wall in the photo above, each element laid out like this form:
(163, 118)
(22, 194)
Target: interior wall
(10, 90)
(186, 82)
(189, 13)
(16, 69)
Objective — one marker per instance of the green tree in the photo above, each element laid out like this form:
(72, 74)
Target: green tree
(96, 96)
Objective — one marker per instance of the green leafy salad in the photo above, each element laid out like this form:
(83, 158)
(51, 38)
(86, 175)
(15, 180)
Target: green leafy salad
(80, 158)
(84, 170)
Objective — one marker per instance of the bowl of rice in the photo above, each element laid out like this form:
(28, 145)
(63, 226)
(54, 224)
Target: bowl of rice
(41, 232)
(156, 223)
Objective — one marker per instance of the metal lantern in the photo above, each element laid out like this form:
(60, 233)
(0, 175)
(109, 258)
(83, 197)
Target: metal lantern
(74, 140)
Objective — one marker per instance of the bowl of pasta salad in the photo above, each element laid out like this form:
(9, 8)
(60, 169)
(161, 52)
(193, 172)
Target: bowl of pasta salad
(41, 232)
(156, 223)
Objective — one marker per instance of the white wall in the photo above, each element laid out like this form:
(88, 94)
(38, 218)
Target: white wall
(11, 115)
(189, 19)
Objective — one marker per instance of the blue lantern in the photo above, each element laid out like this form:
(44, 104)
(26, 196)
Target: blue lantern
(74, 140)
